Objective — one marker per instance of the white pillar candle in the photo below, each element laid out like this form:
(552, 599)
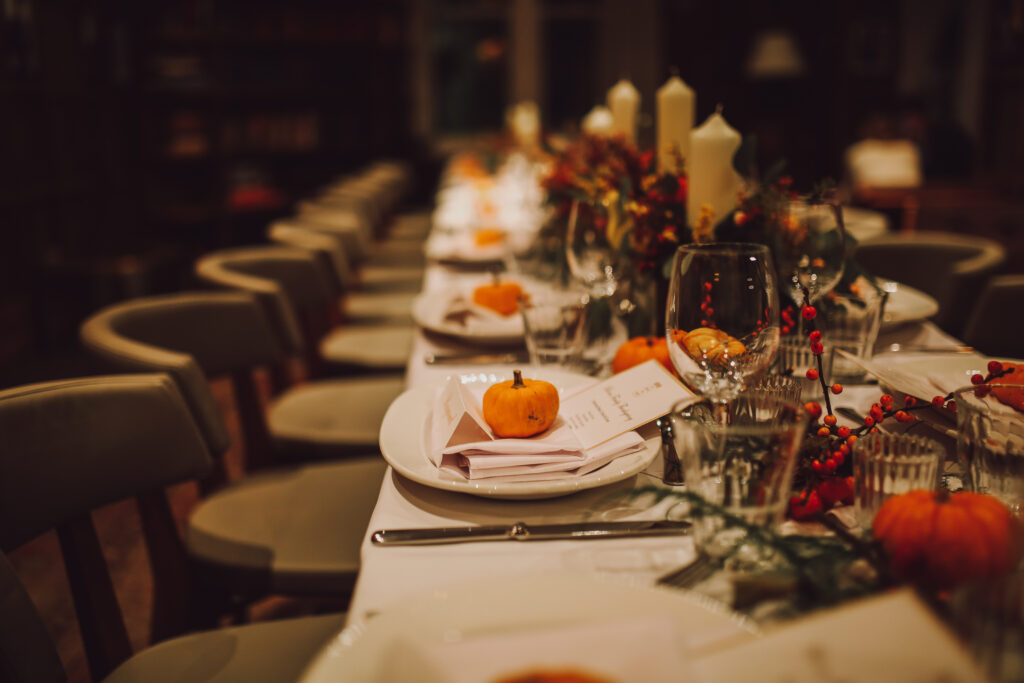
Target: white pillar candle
(676, 106)
(712, 179)
(524, 121)
(624, 103)
(598, 121)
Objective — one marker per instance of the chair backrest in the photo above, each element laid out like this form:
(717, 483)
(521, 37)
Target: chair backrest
(71, 446)
(951, 267)
(343, 222)
(286, 281)
(302, 289)
(190, 336)
(327, 248)
(996, 325)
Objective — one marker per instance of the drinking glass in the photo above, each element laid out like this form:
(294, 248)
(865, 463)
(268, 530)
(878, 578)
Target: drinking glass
(810, 246)
(796, 358)
(990, 442)
(722, 316)
(885, 465)
(592, 248)
(555, 326)
(851, 324)
(745, 466)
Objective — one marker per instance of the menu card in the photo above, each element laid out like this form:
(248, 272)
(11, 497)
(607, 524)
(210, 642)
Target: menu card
(623, 402)
(595, 414)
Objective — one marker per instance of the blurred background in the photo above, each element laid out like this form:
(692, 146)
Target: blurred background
(136, 136)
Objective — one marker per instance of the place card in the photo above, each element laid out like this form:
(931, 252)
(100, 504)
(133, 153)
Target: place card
(892, 637)
(623, 402)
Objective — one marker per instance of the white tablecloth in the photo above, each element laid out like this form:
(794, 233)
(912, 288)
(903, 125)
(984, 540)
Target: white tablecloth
(391, 574)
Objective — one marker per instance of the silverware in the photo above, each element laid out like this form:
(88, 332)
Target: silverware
(689, 575)
(522, 532)
(474, 358)
(929, 348)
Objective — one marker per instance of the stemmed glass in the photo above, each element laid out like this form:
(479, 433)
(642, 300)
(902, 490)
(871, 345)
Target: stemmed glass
(722, 317)
(810, 247)
(593, 255)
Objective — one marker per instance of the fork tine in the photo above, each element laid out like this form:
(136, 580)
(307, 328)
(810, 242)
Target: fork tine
(691, 574)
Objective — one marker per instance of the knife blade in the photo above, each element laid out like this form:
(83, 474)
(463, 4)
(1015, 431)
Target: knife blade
(474, 358)
(523, 532)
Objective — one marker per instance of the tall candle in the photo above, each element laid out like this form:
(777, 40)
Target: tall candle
(712, 179)
(524, 120)
(624, 103)
(598, 121)
(676, 105)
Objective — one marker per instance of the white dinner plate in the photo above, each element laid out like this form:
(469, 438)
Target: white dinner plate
(469, 623)
(947, 372)
(403, 442)
(906, 304)
(429, 311)
(459, 249)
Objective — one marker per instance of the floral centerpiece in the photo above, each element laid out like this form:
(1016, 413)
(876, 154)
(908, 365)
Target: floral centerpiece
(642, 210)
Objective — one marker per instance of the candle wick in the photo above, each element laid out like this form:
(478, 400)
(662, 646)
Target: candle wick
(718, 108)
(674, 71)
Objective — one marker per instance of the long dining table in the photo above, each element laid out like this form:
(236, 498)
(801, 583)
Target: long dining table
(391, 575)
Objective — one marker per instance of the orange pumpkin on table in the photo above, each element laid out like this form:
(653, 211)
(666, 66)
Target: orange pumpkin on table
(500, 297)
(639, 350)
(520, 407)
(939, 540)
(1013, 397)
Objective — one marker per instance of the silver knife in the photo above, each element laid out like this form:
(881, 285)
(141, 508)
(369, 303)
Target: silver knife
(474, 358)
(523, 532)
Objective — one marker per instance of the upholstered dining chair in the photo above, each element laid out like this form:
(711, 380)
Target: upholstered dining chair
(72, 446)
(354, 277)
(377, 332)
(198, 335)
(996, 324)
(951, 267)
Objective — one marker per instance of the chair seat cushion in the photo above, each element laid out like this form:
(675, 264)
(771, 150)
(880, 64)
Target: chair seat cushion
(390, 279)
(299, 530)
(343, 412)
(391, 307)
(371, 346)
(265, 651)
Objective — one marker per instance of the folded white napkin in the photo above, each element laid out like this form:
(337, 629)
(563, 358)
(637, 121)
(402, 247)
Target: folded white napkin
(462, 311)
(556, 453)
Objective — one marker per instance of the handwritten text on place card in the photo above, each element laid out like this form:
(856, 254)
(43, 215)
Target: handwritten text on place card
(623, 402)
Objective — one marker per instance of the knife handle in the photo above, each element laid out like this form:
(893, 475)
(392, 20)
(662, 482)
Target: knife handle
(435, 536)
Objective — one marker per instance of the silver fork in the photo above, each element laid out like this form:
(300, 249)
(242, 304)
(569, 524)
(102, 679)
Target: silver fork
(689, 575)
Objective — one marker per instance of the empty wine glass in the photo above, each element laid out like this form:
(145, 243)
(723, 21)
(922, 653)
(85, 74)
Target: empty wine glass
(722, 316)
(591, 248)
(810, 246)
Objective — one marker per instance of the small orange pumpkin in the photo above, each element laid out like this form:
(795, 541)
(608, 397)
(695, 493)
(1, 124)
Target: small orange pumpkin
(520, 407)
(939, 540)
(500, 297)
(1012, 397)
(641, 349)
(488, 236)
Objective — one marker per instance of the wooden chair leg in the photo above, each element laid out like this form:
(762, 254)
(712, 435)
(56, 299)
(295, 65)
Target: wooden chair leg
(258, 447)
(99, 615)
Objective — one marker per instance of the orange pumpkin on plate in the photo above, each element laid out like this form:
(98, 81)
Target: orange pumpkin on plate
(500, 297)
(939, 540)
(639, 350)
(487, 236)
(520, 407)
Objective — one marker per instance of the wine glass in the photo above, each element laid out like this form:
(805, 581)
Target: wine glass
(722, 316)
(591, 246)
(810, 246)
